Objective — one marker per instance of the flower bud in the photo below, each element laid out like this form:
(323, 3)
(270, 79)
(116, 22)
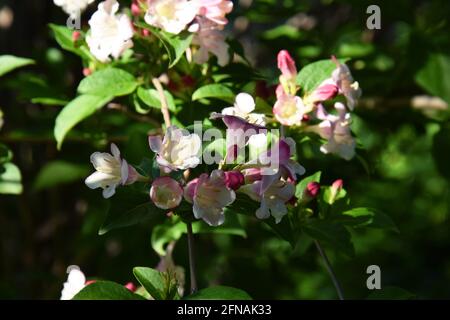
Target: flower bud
(336, 187)
(287, 65)
(130, 286)
(311, 191)
(76, 35)
(87, 72)
(234, 179)
(166, 193)
(90, 282)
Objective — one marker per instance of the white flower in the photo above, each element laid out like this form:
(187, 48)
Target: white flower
(166, 193)
(347, 86)
(289, 110)
(179, 150)
(170, 15)
(214, 10)
(273, 200)
(111, 171)
(110, 34)
(210, 39)
(243, 107)
(73, 7)
(210, 195)
(336, 129)
(76, 281)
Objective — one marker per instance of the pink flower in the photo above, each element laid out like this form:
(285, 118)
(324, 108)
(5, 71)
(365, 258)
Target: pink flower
(166, 193)
(273, 200)
(311, 191)
(210, 39)
(170, 15)
(325, 91)
(214, 10)
(346, 84)
(289, 110)
(130, 286)
(288, 70)
(210, 195)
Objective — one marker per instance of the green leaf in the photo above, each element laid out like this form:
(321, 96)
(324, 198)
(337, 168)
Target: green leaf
(434, 76)
(301, 186)
(129, 207)
(106, 290)
(366, 217)
(10, 179)
(312, 75)
(63, 35)
(175, 44)
(76, 111)
(216, 91)
(219, 293)
(151, 98)
(108, 82)
(334, 235)
(391, 293)
(57, 173)
(152, 280)
(49, 101)
(9, 63)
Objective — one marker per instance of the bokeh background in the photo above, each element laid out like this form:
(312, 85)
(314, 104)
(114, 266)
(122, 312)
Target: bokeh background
(402, 123)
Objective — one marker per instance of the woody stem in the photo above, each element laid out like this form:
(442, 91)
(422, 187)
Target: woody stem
(330, 270)
(163, 99)
(193, 278)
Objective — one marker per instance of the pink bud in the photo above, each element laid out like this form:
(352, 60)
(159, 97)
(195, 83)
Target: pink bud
(312, 189)
(76, 35)
(135, 9)
(87, 72)
(234, 179)
(166, 193)
(130, 286)
(90, 282)
(306, 118)
(338, 184)
(286, 64)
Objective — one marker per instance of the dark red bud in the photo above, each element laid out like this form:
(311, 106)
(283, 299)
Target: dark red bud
(234, 179)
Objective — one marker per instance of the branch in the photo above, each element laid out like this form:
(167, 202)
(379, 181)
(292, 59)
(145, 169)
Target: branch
(193, 277)
(163, 99)
(330, 270)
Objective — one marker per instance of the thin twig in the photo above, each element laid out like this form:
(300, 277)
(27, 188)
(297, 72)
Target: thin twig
(330, 270)
(163, 99)
(193, 278)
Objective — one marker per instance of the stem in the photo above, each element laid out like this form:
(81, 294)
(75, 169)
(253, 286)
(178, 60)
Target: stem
(330, 270)
(163, 99)
(193, 278)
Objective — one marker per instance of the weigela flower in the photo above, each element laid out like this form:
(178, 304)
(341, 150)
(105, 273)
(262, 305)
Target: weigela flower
(76, 281)
(346, 84)
(179, 150)
(336, 129)
(273, 200)
(209, 196)
(214, 10)
(288, 72)
(210, 39)
(170, 15)
(243, 107)
(166, 193)
(73, 8)
(111, 171)
(110, 34)
(289, 109)
(327, 90)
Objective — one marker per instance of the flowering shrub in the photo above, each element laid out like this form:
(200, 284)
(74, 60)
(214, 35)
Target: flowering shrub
(216, 148)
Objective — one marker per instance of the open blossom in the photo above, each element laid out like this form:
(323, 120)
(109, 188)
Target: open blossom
(214, 10)
(210, 39)
(166, 193)
(76, 281)
(170, 15)
(289, 110)
(346, 84)
(209, 196)
(243, 107)
(111, 171)
(336, 129)
(273, 200)
(179, 150)
(73, 7)
(110, 33)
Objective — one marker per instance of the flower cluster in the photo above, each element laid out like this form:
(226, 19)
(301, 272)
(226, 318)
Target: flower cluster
(292, 110)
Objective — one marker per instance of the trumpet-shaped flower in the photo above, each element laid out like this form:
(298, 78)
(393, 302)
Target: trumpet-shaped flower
(243, 107)
(346, 84)
(179, 150)
(73, 8)
(289, 110)
(166, 193)
(170, 15)
(76, 281)
(273, 200)
(110, 33)
(210, 195)
(214, 10)
(336, 129)
(111, 171)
